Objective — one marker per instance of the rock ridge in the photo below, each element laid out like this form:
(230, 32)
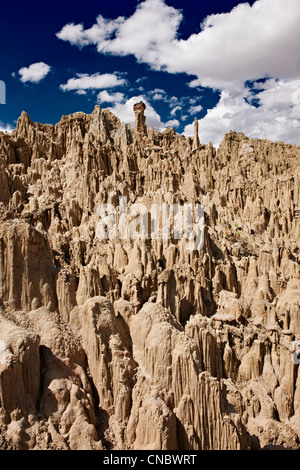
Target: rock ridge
(140, 343)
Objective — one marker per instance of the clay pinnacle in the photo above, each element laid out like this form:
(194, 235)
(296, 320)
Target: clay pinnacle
(196, 143)
(140, 119)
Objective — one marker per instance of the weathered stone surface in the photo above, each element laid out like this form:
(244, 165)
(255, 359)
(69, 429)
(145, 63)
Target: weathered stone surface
(140, 120)
(129, 343)
(19, 367)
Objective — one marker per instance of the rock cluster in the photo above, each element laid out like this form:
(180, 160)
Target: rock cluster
(122, 343)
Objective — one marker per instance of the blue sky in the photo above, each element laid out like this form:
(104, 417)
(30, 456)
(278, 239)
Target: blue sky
(231, 64)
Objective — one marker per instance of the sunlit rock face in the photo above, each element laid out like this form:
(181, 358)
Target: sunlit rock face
(117, 341)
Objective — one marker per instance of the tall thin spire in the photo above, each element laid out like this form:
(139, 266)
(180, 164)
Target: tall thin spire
(140, 119)
(196, 143)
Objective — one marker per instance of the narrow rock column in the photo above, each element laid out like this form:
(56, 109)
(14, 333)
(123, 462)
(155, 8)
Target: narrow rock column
(66, 295)
(140, 119)
(196, 142)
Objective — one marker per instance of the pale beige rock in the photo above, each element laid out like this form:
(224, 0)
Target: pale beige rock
(196, 142)
(144, 344)
(19, 367)
(140, 120)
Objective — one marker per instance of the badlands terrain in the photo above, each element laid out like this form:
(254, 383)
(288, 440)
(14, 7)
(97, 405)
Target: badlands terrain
(141, 343)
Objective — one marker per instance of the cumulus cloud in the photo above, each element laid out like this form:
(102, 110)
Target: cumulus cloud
(152, 24)
(158, 97)
(34, 73)
(80, 92)
(122, 106)
(273, 113)
(158, 94)
(195, 109)
(124, 111)
(105, 97)
(96, 81)
(172, 123)
(5, 127)
(250, 42)
(175, 110)
(99, 32)
(141, 79)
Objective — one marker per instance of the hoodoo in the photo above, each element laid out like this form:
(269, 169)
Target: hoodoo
(140, 118)
(196, 142)
(131, 341)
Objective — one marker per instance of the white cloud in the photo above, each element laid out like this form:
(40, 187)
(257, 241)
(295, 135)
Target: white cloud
(195, 109)
(172, 123)
(34, 73)
(124, 111)
(175, 110)
(246, 44)
(73, 34)
(105, 97)
(5, 127)
(193, 101)
(174, 100)
(158, 94)
(141, 79)
(158, 97)
(152, 24)
(122, 107)
(78, 36)
(80, 92)
(250, 42)
(276, 114)
(96, 81)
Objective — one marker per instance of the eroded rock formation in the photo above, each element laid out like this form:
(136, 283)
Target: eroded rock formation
(140, 343)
